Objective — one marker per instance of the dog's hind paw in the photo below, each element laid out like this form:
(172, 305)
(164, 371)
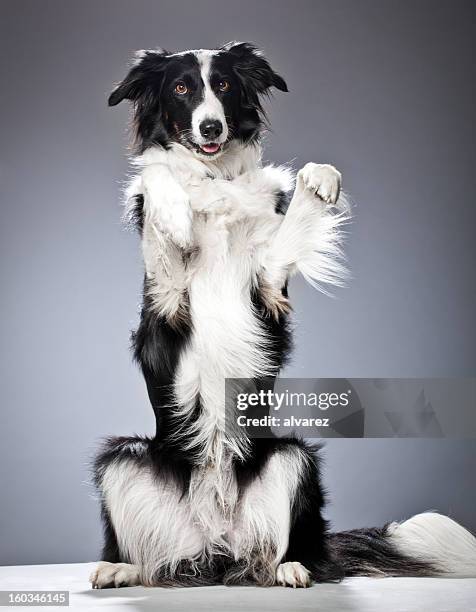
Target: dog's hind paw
(293, 574)
(117, 575)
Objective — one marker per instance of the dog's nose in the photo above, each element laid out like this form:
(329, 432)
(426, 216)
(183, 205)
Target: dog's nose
(211, 129)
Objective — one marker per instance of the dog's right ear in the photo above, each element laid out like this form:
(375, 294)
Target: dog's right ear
(146, 75)
(253, 68)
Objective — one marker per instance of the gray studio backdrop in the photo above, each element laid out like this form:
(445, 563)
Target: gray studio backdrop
(381, 89)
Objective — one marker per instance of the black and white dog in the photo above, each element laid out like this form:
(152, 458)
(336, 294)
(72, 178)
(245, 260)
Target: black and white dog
(221, 235)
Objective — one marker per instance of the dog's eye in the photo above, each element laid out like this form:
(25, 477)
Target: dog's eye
(181, 89)
(223, 85)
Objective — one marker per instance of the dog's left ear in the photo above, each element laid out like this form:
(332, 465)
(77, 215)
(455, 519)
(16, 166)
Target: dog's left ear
(251, 66)
(145, 76)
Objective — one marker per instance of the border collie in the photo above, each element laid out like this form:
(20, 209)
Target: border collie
(221, 234)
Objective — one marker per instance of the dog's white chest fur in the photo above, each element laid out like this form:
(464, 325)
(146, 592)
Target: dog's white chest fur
(223, 215)
(232, 227)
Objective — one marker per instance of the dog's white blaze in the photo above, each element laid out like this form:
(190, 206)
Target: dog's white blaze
(210, 107)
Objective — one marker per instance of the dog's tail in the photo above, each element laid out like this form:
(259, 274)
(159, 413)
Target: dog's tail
(428, 544)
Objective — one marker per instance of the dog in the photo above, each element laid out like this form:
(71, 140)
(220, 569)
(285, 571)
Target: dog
(221, 235)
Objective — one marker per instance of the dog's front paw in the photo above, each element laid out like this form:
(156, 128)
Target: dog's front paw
(293, 574)
(321, 179)
(172, 215)
(117, 575)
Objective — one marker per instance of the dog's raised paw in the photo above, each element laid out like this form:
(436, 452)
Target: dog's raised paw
(293, 574)
(322, 179)
(116, 575)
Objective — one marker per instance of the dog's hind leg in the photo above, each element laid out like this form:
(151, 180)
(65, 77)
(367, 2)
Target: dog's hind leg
(150, 518)
(260, 537)
(279, 536)
(308, 545)
(110, 572)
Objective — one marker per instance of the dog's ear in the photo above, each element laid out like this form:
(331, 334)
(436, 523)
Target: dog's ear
(145, 76)
(253, 68)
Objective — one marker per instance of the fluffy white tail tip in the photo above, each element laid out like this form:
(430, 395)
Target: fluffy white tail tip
(437, 539)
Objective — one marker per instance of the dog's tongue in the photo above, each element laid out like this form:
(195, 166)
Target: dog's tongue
(210, 148)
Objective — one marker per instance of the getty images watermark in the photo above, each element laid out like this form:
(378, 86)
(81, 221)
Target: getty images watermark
(275, 401)
(352, 408)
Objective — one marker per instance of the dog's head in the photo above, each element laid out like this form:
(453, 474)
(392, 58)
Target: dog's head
(200, 99)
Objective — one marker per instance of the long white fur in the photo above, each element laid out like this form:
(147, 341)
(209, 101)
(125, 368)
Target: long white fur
(438, 539)
(154, 526)
(240, 239)
(309, 239)
(263, 520)
(157, 527)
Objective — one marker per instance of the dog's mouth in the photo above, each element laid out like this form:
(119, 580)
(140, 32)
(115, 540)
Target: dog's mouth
(209, 149)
